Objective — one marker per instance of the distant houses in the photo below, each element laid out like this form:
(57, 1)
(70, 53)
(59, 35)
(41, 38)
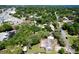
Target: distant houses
(6, 17)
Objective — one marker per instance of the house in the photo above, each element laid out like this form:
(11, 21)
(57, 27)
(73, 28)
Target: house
(13, 10)
(41, 26)
(47, 43)
(65, 19)
(52, 27)
(11, 33)
(13, 20)
(50, 37)
(70, 17)
(6, 17)
(4, 36)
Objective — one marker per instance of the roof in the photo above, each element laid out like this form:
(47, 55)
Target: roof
(4, 35)
(47, 43)
(51, 37)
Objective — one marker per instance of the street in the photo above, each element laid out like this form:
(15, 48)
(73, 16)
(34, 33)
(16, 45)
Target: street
(68, 47)
(63, 36)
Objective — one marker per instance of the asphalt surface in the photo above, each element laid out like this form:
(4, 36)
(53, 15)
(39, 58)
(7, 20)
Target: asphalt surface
(63, 35)
(68, 46)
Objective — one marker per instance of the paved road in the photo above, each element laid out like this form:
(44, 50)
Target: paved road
(63, 35)
(68, 46)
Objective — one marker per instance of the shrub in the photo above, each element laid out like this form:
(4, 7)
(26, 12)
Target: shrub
(61, 51)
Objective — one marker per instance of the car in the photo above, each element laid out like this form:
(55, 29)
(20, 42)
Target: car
(66, 37)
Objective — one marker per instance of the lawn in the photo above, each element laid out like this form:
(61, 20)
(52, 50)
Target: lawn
(11, 50)
(52, 52)
(36, 49)
(72, 38)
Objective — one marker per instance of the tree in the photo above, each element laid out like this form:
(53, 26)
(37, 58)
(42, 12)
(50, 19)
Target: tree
(2, 46)
(71, 30)
(77, 20)
(5, 27)
(55, 24)
(75, 45)
(35, 28)
(35, 39)
(76, 26)
(48, 28)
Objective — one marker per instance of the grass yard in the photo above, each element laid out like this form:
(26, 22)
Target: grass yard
(71, 38)
(11, 50)
(36, 49)
(52, 52)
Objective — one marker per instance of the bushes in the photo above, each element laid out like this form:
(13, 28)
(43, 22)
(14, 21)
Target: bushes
(2, 46)
(61, 51)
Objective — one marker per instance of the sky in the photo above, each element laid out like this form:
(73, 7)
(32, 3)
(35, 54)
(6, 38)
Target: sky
(39, 2)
